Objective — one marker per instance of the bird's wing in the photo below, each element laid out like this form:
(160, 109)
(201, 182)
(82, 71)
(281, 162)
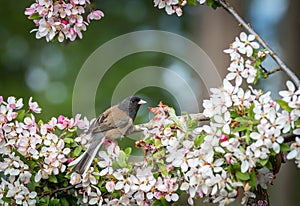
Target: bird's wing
(113, 118)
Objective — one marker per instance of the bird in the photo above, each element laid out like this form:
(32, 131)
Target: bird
(113, 123)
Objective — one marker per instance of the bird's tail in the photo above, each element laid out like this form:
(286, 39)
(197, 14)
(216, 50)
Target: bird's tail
(84, 161)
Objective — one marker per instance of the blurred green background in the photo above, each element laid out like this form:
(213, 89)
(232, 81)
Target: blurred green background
(47, 71)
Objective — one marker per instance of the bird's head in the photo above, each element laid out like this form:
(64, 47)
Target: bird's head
(131, 105)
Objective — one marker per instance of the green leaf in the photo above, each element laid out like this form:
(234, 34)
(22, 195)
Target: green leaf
(213, 4)
(157, 143)
(35, 16)
(122, 159)
(54, 202)
(284, 148)
(40, 122)
(264, 162)
(64, 202)
(163, 169)
(128, 150)
(251, 113)
(252, 180)
(68, 140)
(77, 151)
(157, 203)
(242, 176)
(242, 120)
(52, 178)
(44, 201)
(173, 116)
(161, 202)
(199, 139)
(192, 2)
(241, 128)
(284, 105)
(21, 115)
(192, 125)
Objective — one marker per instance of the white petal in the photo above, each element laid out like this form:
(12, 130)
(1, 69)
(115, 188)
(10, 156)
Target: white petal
(243, 36)
(276, 147)
(245, 166)
(290, 86)
(292, 154)
(184, 186)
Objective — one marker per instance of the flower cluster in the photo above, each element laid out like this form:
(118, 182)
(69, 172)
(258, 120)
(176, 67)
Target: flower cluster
(31, 150)
(60, 18)
(245, 59)
(174, 6)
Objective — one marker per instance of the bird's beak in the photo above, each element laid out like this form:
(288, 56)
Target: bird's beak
(142, 102)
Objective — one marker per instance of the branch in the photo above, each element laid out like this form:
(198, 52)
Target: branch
(268, 73)
(51, 192)
(140, 127)
(289, 137)
(287, 70)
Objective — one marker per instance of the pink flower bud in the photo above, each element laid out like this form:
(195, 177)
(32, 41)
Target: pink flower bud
(70, 160)
(60, 119)
(223, 137)
(65, 22)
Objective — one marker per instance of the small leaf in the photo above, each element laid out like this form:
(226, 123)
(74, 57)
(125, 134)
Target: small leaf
(163, 169)
(192, 125)
(21, 115)
(198, 140)
(54, 202)
(192, 2)
(128, 150)
(264, 162)
(52, 178)
(157, 143)
(284, 105)
(242, 176)
(251, 113)
(252, 180)
(157, 203)
(35, 16)
(64, 202)
(213, 4)
(77, 151)
(284, 148)
(40, 122)
(241, 128)
(68, 140)
(122, 159)
(173, 116)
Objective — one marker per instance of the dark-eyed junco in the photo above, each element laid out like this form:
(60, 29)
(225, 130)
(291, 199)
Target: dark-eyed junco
(114, 123)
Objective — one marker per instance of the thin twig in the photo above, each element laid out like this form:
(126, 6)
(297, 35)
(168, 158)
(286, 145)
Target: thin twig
(242, 22)
(274, 70)
(51, 192)
(278, 69)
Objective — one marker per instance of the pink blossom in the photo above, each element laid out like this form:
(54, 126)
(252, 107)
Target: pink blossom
(97, 14)
(61, 19)
(61, 119)
(33, 106)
